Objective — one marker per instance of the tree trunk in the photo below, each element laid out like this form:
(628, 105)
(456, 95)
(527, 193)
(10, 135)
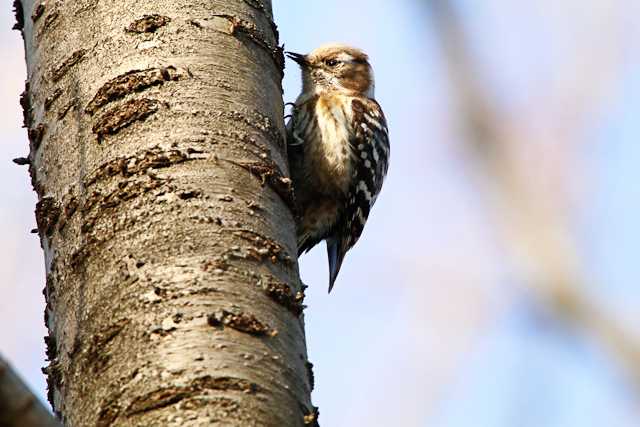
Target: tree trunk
(164, 212)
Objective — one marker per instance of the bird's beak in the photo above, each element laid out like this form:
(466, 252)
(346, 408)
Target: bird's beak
(300, 59)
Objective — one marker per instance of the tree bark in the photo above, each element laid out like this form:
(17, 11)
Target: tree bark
(157, 152)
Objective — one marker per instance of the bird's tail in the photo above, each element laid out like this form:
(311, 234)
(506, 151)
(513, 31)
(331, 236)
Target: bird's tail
(336, 252)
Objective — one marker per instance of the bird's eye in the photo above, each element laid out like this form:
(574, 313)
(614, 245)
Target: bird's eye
(331, 62)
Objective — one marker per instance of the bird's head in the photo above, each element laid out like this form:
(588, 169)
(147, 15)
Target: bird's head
(336, 67)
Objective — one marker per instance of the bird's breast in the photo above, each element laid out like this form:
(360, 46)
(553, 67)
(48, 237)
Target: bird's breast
(328, 149)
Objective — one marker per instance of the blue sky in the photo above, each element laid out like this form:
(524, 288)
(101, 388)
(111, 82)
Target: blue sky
(428, 324)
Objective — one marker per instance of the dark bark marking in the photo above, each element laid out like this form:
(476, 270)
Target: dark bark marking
(310, 376)
(63, 68)
(109, 409)
(78, 257)
(48, 292)
(265, 248)
(252, 32)
(195, 23)
(108, 414)
(136, 165)
(217, 265)
(222, 406)
(21, 161)
(98, 356)
(35, 136)
(86, 6)
(126, 190)
(269, 173)
(259, 122)
(26, 106)
(123, 115)
(47, 214)
(242, 322)
(131, 82)
(53, 372)
(49, 21)
(168, 396)
(38, 11)
(19, 14)
(189, 194)
(258, 5)
(70, 206)
(283, 295)
(63, 112)
(254, 206)
(51, 347)
(48, 102)
(155, 157)
(148, 24)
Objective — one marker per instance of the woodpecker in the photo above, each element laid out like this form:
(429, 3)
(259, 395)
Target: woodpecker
(338, 149)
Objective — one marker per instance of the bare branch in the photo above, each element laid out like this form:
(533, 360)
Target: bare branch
(18, 406)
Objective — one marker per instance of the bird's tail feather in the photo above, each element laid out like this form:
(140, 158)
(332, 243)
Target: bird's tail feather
(335, 253)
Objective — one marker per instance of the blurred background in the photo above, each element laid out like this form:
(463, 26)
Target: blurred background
(496, 283)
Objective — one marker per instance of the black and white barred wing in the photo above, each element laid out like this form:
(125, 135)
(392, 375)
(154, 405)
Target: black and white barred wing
(370, 151)
(369, 145)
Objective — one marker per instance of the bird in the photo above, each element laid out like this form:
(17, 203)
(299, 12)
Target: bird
(338, 149)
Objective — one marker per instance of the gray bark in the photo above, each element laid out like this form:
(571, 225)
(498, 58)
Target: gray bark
(164, 212)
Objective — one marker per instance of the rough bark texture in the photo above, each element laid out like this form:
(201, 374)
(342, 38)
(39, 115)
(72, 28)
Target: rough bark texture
(18, 406)
(164, 212)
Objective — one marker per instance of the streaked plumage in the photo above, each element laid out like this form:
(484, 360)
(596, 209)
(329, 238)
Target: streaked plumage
(338, 149)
